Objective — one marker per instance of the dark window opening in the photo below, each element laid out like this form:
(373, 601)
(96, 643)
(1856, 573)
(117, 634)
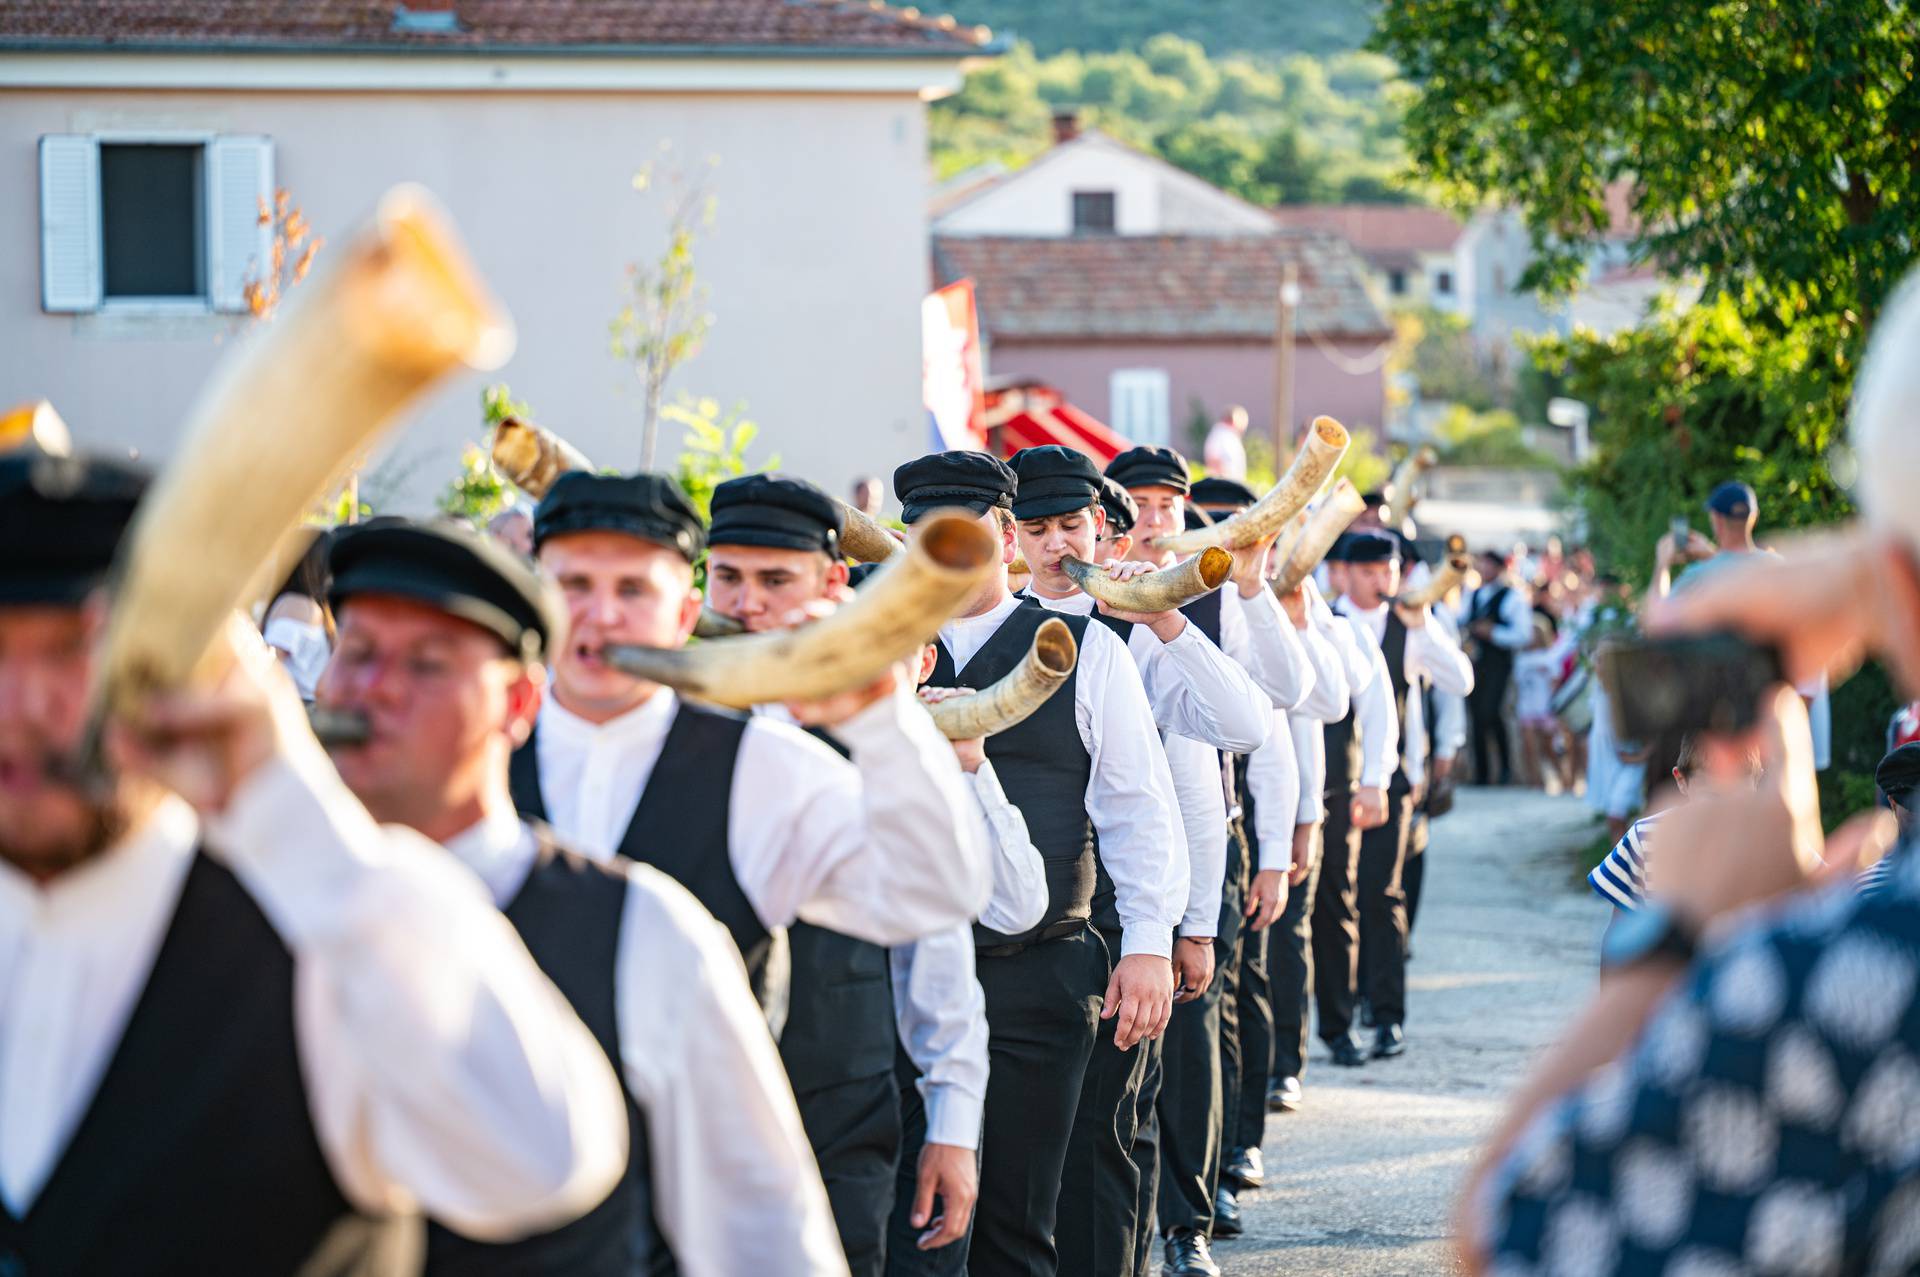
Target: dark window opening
(1443, 283)
(1093, 212)
(1397, 282)
(152, 220)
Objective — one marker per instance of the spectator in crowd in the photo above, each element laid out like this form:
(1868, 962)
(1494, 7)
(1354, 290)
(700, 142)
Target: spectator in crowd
(1536, 673)
(513, 528)
(867, 496)
(1226, 449)
(1499, 623)
(1739, 1096)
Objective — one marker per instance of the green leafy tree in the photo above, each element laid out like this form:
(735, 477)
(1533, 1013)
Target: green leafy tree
(1223, 152)
(664, 320)
(714, 448)
(1773, 144)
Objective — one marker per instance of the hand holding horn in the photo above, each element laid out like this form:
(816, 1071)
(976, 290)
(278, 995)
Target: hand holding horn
(1011, 699)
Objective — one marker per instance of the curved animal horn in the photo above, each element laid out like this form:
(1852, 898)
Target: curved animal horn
(1325, 444)
(533, 456)
(1163, 591)
(393, 312)
(1439, 585)
(866, 539)
(1341, 507)
(897, 614)
(1025, 688)
(714, 624)
(1397, 496)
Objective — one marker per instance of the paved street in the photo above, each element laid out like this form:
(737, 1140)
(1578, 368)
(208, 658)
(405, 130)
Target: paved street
(1362, 1180)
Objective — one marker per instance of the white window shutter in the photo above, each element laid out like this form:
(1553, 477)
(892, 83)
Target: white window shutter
(70, 265)
(1139, 404)
(239, 242)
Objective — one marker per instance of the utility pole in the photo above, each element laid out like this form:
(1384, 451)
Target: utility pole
(1288, 302)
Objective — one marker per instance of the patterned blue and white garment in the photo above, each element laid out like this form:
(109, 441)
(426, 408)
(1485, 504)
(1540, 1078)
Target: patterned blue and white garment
(1767, 1121)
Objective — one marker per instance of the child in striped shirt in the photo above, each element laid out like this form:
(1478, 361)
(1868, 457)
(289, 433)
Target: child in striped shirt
(1621, 878)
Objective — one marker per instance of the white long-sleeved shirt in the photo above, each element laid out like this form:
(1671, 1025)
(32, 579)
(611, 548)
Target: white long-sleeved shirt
(1331, 696)
(1431, 656)
(1129, 796)
(735, 1185)
(1310, 750)
(1203, 700)
(939, 1008)
(1256, 633)
(1273, 780)
(1373, 717)
(417, 1011)
(886, 848)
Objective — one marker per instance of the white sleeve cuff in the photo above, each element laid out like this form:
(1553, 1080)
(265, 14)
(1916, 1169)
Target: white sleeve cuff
(1263, 609)
(1146, 937)
(953, 1116)
(881, 724)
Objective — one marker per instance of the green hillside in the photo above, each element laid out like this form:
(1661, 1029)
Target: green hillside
(1223, 26)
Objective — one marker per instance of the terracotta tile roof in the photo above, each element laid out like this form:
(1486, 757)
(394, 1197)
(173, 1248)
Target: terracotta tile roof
(1391, 236)
(1182, 287)
(797, 26)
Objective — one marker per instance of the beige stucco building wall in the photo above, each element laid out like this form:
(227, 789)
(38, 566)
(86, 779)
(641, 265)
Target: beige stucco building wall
(816, 261)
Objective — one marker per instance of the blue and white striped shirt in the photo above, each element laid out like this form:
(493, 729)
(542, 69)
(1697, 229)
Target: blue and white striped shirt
(1621, 878)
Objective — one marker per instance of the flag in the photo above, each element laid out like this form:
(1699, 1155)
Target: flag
(951, 384)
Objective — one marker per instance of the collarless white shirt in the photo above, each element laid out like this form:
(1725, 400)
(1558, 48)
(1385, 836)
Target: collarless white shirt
(1129, 796)
(1431, 657)
(1373, 718)
(886, 847)
(735, 1185)
(416, 1009)
(1274, 782)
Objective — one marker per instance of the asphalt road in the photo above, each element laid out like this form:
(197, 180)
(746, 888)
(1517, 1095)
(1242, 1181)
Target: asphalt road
(1362, 1180)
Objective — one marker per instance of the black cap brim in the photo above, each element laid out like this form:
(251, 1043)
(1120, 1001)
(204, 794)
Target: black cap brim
(914, 511)
(399, 581)
(1047, 507)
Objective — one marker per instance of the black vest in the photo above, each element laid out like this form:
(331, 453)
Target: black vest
(1393, 646)
(840, 1010)
(1344, 758)
(198, 1156)
(1491, 657)
(568, 912)
(1042, 766)
(680, 826)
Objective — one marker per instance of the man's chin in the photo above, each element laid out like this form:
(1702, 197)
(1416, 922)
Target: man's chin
(54, 835)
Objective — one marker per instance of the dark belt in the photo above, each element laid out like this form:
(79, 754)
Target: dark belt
(1058, 931)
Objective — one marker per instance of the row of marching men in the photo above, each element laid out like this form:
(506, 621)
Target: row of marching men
(505, 960)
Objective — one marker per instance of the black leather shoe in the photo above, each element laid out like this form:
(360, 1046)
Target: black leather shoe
(1284, 1096)
(1188, 1256)
(1347, 1053)
(1226, 1214)
(1389, 1041)
(1245, 1169)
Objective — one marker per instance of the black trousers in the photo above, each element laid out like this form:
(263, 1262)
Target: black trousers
(904, 1257)
(854, 1130)
(1491, 674)
(1414, 874)
(1290, 968)
(1336, 922)
(1383, 912)
(1146, 1159)
(1099, 1195)
(1042, 1008)
(1247, 1118)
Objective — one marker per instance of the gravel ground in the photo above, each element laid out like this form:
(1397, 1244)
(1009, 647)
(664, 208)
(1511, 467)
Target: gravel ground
(1361, 1181)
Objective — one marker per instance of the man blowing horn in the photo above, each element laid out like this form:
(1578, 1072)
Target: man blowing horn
(238, 1019)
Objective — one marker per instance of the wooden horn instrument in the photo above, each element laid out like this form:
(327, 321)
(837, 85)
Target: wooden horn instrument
(393, 311)
(1011, 699)
(1171, 587)
(1340, 508)
(1325, 444)
(893, 617)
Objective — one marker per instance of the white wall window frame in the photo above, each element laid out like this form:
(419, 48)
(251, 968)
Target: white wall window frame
(218, 291)
(1139, 402)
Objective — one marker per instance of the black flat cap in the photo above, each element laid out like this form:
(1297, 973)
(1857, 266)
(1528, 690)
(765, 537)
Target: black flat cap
(1150, 467)
(975, 481)
(451, 568)
(648, 506)
(61, 520)
(1122, 513)
(776, 510)
(1898, 775)
(1367, 546)
(1053, 480)
(1220, 494)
